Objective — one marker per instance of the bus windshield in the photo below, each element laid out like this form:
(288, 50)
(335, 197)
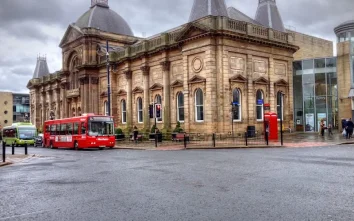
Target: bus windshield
(26, 133)
(100, 128)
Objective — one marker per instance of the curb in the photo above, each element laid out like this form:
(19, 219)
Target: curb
(5, 164)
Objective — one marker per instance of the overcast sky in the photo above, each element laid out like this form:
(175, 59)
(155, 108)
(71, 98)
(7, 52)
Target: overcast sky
(32, 27)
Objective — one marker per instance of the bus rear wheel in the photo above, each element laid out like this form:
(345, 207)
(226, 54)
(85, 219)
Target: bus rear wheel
(51, 145)
(76, 145)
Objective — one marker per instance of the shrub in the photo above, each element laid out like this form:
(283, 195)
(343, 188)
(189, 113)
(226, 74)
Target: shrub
(118, 131)
(178, 128)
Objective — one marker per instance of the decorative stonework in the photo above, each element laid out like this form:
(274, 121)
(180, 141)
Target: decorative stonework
(122, 82)
(138, 78)
(145, 70)
(128, 74)
(94, 80)
(197, 64)
(280, 69)
(260, 67)
(166, 65)
(237, 64)
(177, 71)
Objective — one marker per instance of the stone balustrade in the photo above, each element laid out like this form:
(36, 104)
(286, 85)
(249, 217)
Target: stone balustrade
(211, 23)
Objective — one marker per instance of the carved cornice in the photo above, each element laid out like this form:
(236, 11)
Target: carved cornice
(166, 65)
(128, 74)
(94, 80)
(64, 85)
(145, 70)
(84, 80)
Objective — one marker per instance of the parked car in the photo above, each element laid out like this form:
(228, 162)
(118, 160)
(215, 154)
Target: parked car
(38, 141)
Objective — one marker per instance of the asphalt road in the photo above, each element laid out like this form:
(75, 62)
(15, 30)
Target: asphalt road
(244, 184)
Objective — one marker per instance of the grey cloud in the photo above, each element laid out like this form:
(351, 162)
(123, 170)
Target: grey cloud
(25, 19)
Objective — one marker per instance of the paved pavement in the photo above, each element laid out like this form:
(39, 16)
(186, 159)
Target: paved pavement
(240, 184)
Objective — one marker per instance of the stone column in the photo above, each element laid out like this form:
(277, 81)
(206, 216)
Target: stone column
(57, 97)
(85, 107)
(82, 94)
(272, 93)
(43, 117)
(128, 75)
(146, 73)
(65, 102)
(166, 95)
(250, 92)
(50, 101)
(94, 100)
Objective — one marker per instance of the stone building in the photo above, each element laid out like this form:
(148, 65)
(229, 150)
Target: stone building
(14, 107)
(195, 71)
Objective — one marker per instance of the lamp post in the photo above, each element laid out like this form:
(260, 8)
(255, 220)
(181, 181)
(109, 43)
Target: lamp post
(281, 118)
(108, 80)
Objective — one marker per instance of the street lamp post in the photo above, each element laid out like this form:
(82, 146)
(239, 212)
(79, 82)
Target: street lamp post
(108, 81)
(281, 118)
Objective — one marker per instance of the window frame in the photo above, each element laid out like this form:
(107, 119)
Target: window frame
(124, 111)
(158, 100)
(282, 105)
(239, 106)
(180, 94)
(199, 105)
(262, 106)
(139, 107)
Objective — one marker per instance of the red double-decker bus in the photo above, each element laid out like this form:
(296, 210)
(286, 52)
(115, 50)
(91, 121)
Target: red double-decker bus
(87, 131)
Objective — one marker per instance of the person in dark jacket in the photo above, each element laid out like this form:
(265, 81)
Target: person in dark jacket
(349, 128)
(135, 134)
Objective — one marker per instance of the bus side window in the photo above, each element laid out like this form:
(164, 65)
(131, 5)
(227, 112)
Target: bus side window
(63, 129)
(69, 127)
(76, 128)
(57, 129)
(52, 129)
(47, 129)
(83, 128)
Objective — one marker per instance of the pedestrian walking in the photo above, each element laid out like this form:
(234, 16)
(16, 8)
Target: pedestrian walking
(322, 127)
(135, 134)
(349, 128)
(330, 130)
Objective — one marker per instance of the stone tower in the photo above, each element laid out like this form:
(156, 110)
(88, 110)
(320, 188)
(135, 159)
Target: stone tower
(203, 8)
(268, 15)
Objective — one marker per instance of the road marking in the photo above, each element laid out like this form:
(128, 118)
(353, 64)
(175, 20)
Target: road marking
(27, 214)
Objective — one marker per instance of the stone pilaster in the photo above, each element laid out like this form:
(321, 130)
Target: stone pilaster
(94, 101)
(272, 93)
(146, 73)
(166, 94)
(250, 93)
(128, 75)
(57, 103)
(43, 117)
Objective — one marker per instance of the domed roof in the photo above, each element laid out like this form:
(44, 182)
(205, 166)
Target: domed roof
(101, 17)
(345, 26)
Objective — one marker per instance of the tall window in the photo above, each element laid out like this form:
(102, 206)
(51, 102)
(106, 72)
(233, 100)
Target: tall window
(236, 108)
(124, 111)
(280, 105)
(259, 105)
(105, 111)
(158, 100)
(140, 110)
(199, 106)
(180, 107)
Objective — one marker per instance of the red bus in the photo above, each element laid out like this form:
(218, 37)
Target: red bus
(87, 131)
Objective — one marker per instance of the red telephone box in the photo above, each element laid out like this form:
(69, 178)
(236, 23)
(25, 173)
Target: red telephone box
(271, 125)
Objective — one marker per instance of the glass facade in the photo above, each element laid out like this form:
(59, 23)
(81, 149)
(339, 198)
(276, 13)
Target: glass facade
(21, 107)
(315, 94)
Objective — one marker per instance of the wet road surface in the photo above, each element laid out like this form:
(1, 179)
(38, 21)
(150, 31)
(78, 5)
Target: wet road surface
(245, 184)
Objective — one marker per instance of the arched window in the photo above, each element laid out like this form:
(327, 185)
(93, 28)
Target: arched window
(140, 110)
(199, 106)
(124, 111)
(259, 105)
(236, 107)
(106, 108)
(180, 107)
(158, 100)
(280, 105)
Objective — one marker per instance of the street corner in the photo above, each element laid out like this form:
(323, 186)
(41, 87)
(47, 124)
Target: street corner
(14, 159)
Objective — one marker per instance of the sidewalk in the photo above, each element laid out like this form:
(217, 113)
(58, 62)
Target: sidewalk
(292, 140)
(11, 159)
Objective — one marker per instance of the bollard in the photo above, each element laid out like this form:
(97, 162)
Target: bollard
(267, 138)
(13, 148)
(246, 141)
(214, 143)
(185, 141)
(155, 139)
(26, 151)
(3, 151)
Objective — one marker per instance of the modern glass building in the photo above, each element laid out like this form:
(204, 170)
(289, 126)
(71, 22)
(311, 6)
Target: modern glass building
(315, 93)
(21, 107)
